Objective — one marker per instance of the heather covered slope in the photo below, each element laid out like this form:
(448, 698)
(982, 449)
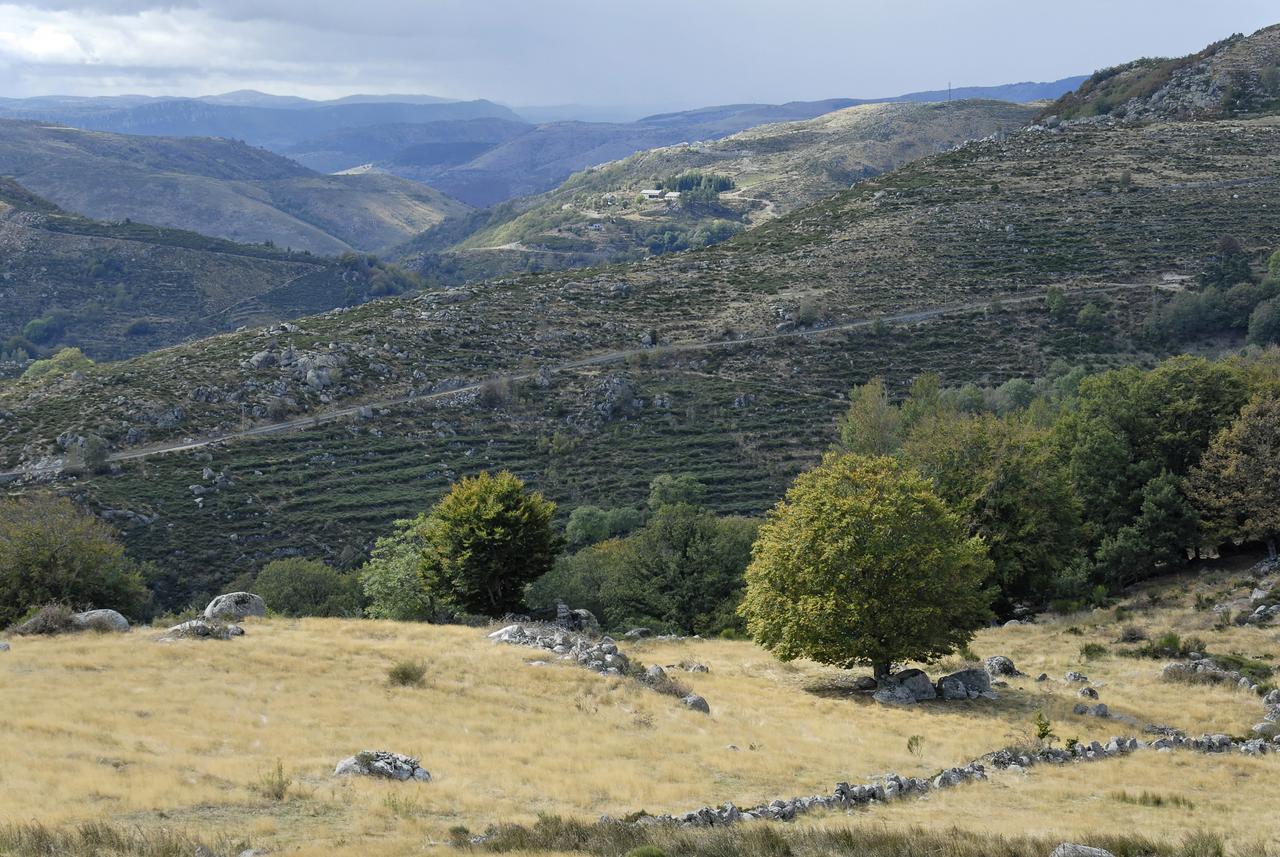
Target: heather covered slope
(217, 187)
(599, 216)
(120, 289)
(558, 377)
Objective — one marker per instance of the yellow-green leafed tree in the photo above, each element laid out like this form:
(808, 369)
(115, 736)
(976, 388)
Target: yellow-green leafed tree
(862, 563)
(485, 542)
(1237, 485)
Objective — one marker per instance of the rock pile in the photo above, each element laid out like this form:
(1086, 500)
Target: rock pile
(235, 605)
(202, 629)
(1205, 670)
(911, 686)
(601, 656)
(383, 765)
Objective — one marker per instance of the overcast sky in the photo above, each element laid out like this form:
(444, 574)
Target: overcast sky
(650, 53)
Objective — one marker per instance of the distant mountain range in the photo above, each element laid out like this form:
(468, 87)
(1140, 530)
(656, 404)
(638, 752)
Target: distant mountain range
(217, 187)
(478, 151)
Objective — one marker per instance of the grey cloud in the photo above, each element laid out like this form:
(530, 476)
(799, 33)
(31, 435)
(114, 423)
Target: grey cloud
(670, 52)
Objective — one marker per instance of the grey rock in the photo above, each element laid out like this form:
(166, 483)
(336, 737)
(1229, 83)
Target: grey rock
(695, 703)
(1267, 729)
(1068, 849)
(638, 634)
(235, 605)
(999, 665)
(383, 765)
(104, 620)
(1074, 677)
(1042, 677)
(655, 673)
(972, 680)
(892, 693)
(1088, 693)
(4, 647)
(865, 682)
(1272, 698)
(917, 683)
(202, 629)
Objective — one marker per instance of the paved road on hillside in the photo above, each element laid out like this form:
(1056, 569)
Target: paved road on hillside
(601, 359)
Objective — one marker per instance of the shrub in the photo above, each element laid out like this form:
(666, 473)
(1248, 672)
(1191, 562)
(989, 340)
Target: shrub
(305, 587)
(1089, 651)
(1132, 634)
(407, 673)
(647, 851)
(48, 620)
(275, 783)
(50, 551)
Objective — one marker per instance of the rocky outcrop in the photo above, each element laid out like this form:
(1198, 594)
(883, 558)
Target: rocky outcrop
(99, 620)
(911, 686)
(1205, 670)
(382, 765)
(600, 656)
(235, 605)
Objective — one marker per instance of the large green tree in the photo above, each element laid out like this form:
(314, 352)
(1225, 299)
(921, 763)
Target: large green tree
(1002, 478)
(863, 563)
(1237, 484)
(52, 551)
(485, 542)
(682, 571)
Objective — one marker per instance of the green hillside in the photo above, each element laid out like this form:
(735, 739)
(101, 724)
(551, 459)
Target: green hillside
(217, 187)
(599, 215)
(120, 289)
(729, 362)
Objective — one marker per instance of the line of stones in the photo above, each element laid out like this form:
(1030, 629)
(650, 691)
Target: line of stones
(890, 787)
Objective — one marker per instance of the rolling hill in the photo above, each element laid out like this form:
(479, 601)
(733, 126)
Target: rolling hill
(260, 121)
(217, 187)
(120, 289)
(728, 363)
(598, 216)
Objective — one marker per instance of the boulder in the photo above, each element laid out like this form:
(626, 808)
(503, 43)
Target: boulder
(1068, 849)
(892, 693)
(974, 681)
(999, 665)
(383, 765)
(203, 629)
(695, 703)
(1272, 698)
(638, 634)
(917, 683)
(1042, 677)
(99, 620)
(655, 673)
(1088, 693)
(235, 605)
(1267, 729)
(1074, 677)
(951, 688)
(865, 682)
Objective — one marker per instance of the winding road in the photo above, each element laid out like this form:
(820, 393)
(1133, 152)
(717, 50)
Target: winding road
(601, 359)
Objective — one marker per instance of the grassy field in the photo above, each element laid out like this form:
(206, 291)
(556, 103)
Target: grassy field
(184, 735)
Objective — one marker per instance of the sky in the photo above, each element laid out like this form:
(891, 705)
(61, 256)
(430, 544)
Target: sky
(644, 53)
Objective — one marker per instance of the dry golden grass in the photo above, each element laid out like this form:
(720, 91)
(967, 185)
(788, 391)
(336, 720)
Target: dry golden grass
(127, 729)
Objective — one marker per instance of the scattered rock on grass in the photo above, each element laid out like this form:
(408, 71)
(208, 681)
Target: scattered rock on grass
(695, 703)
(4, 647)
(383, 765)
(1074, 677)
(1068, 849)
(202, 629)
(235, 605)
(999, 665)
(99, 620)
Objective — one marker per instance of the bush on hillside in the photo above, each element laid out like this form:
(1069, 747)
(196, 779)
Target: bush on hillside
(52, 552)
(306, 587)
